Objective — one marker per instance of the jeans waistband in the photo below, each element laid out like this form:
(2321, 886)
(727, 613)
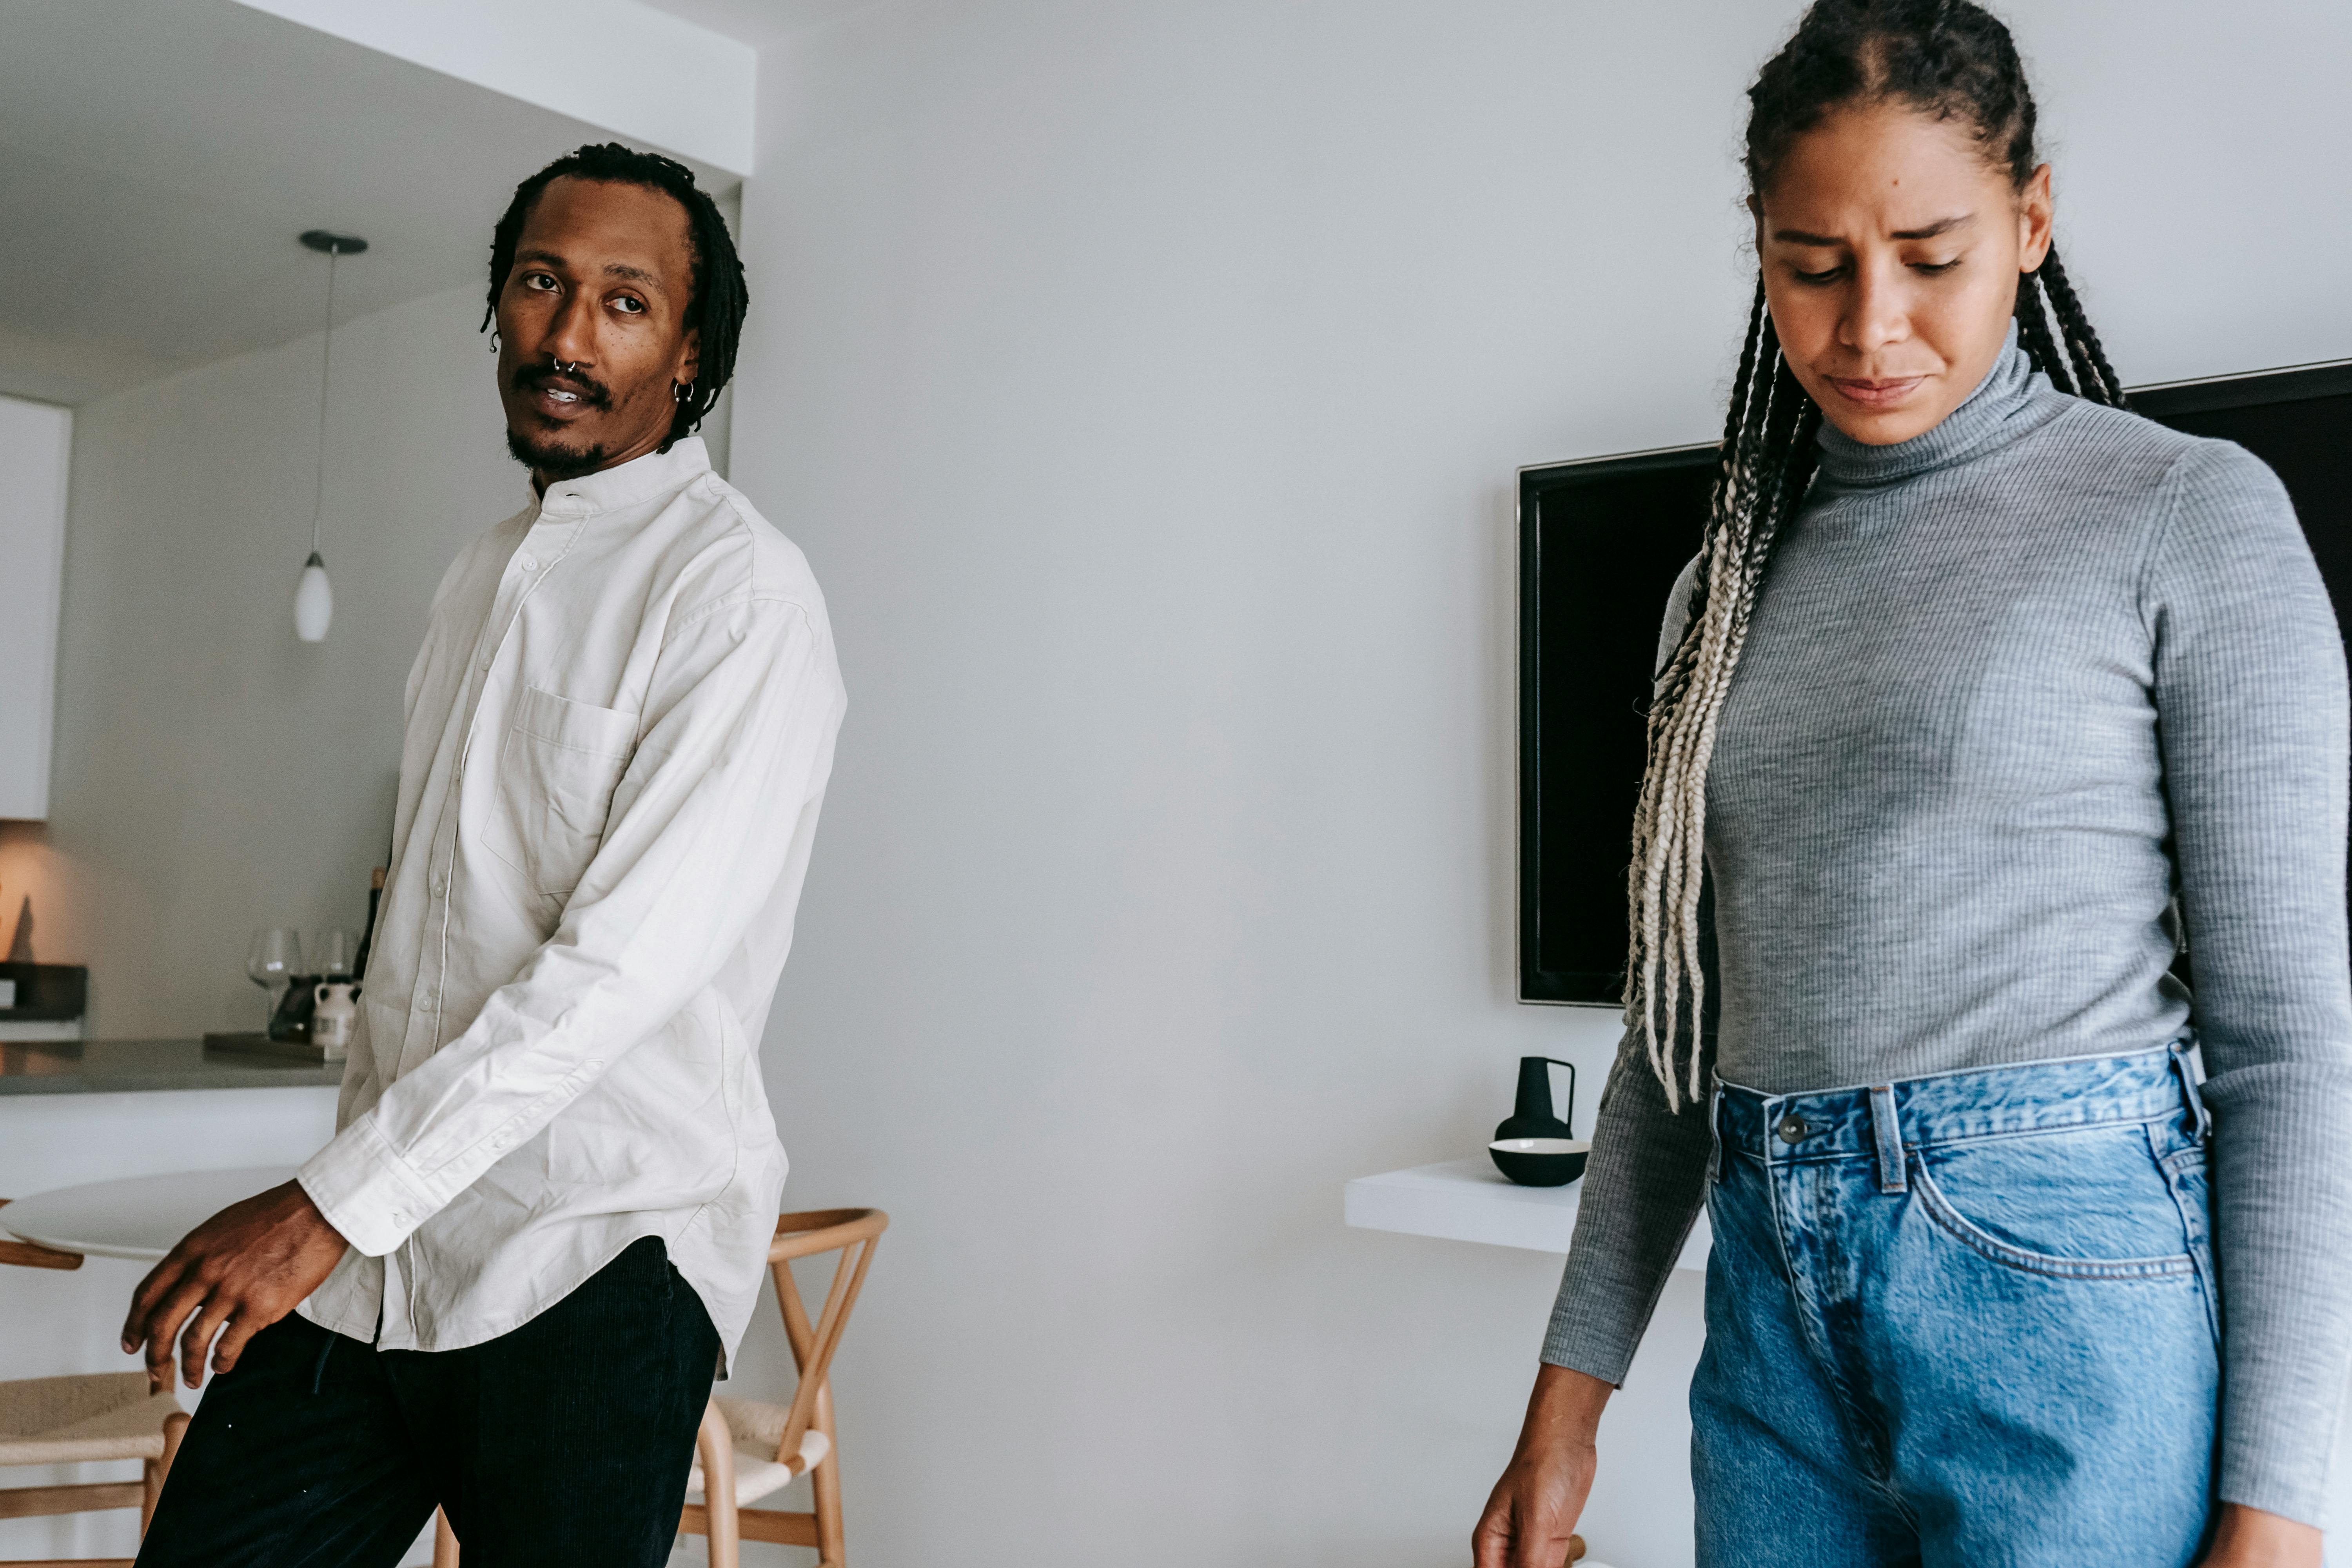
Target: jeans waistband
(1989, 1103)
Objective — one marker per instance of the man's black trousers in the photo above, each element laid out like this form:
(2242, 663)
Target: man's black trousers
(565, 1442)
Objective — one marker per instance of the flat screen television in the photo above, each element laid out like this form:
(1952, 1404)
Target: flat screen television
(1599, 543)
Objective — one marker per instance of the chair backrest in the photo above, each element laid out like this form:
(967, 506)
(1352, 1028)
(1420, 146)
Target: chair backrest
(28, 1255)
(852, 1233)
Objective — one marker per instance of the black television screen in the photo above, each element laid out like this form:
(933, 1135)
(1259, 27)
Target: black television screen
(1599, 543)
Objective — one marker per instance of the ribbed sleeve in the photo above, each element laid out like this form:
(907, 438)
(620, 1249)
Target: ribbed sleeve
(2250, 690)
(1643, 1188)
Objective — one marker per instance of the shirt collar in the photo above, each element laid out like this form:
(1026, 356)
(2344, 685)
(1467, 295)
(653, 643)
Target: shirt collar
(638, 479)
(2011, 400)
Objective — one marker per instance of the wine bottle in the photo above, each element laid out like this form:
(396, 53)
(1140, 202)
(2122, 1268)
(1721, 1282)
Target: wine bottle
(375, 897)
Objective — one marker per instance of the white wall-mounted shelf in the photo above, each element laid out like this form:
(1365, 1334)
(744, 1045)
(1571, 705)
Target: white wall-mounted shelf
(1469, 1200)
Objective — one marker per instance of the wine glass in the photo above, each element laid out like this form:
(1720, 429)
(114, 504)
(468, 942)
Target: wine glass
(274, 958)
(331, 953)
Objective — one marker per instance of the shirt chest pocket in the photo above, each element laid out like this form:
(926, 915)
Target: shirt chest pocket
(558, 767)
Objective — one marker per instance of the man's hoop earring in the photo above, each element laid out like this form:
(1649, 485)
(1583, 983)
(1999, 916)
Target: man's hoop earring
(494, 340)
(681, 390)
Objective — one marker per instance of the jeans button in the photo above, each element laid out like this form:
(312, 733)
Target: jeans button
(1791, 1129)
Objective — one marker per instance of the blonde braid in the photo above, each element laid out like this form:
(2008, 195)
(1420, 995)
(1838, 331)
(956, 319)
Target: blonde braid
(1659, 808)
(1766, 463)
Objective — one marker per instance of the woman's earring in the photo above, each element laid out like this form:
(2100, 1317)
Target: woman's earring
(681, 390)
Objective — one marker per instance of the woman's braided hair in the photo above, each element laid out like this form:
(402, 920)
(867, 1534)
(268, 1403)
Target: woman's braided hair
(1946, 57)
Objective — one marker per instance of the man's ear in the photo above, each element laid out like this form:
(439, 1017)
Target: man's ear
(689, 357)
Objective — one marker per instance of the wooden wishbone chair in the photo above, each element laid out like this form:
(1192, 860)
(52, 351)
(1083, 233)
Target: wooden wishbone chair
(93, 1418)
(748, 1450)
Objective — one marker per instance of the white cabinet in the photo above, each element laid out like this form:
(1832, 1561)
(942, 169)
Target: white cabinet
(36, 442)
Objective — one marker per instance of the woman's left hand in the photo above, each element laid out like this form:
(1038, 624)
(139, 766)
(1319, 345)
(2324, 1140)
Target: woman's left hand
(2249, 1538)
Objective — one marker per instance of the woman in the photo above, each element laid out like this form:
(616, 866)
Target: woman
(1980, 691)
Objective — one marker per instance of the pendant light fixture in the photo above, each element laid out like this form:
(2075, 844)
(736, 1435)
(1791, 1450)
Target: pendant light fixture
(314, 596)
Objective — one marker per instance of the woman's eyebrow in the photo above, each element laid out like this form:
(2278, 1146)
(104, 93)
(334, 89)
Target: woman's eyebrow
(1941, 225)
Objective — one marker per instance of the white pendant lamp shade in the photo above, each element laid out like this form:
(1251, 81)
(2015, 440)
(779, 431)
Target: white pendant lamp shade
(314, 596)
(314, 602)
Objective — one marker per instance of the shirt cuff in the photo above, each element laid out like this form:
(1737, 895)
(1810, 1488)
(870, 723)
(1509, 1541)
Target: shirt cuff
(365, 1189)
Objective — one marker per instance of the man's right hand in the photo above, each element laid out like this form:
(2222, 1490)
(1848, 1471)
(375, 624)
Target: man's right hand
(1535, 1504)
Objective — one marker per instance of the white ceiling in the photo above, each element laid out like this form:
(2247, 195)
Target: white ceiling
(159, 157)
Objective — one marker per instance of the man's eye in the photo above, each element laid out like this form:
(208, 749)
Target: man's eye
(538, 280)
(628, 305)
(1932, 267)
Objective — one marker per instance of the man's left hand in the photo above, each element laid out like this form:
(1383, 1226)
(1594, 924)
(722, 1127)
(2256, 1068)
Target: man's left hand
(247, 1266)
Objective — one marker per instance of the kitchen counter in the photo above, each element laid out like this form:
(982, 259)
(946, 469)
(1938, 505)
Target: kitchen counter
(118, 1067)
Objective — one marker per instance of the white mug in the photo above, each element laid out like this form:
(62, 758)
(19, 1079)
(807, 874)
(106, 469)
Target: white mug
(332, 1017)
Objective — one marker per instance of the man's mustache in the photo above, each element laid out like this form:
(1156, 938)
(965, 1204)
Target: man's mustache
(533, 377)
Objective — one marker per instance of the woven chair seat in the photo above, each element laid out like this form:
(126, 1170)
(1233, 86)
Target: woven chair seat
(758, 1429)
(75, 1420)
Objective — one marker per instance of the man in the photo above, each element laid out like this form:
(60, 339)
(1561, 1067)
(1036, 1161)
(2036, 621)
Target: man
(543, 1222)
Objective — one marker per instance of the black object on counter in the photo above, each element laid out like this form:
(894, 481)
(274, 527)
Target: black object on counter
(292, 1019)
(46, 992)
(302, 1050)
(1532, 1146)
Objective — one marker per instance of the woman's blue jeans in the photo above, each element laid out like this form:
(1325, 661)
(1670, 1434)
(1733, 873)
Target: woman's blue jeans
(1969, 1319)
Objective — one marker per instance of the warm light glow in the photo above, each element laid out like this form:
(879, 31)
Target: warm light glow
(314, 602)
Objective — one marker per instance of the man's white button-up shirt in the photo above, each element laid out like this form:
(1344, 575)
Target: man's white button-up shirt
(618, 735)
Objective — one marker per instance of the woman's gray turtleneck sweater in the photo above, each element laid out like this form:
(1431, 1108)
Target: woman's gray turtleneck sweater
(2010, 686)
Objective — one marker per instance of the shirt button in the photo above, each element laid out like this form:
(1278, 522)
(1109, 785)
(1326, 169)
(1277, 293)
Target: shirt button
(528, 564)
(1792, 1128)
(440, 882)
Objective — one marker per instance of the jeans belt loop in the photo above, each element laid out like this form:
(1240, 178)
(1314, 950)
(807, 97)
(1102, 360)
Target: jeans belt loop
(2192, 1100)
(1886, 1128)
(1715, 1135)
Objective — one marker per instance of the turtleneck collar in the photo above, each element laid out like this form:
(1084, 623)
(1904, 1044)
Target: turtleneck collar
(2013, 399)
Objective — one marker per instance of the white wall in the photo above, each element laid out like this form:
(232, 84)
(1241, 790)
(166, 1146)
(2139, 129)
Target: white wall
(1146, 383)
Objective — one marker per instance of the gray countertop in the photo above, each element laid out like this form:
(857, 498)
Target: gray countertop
(117, 1067)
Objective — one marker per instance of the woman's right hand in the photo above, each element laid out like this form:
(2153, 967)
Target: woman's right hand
(1535, 1506)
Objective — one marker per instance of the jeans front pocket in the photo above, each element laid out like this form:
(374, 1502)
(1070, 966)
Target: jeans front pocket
(2092, 1203)
(557, 772)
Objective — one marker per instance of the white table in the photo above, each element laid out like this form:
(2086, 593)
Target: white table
(1469, 1200)
(140, 1217)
